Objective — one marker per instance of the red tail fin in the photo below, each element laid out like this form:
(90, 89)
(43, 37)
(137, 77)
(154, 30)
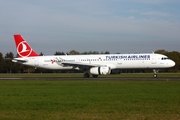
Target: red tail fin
(23, 48)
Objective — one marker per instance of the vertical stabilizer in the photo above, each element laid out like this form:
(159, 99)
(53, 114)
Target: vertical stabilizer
(23, 48)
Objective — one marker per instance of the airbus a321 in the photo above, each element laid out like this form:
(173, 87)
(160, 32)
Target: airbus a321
(100, 64)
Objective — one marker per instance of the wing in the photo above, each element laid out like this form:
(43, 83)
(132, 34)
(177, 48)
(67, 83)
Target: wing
(86, 66)
(80, 65)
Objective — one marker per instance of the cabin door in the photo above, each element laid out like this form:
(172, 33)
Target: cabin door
(153, 60)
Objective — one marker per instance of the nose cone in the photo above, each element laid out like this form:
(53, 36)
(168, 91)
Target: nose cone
(172, 63)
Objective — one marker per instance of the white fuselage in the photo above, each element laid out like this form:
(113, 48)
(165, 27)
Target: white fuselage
(113, 61)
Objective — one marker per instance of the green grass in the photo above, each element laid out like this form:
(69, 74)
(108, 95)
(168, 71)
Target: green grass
(77, 75)
(86, 99)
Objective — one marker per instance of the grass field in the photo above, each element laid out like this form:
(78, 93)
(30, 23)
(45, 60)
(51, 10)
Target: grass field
(76, 75)
(86, 99)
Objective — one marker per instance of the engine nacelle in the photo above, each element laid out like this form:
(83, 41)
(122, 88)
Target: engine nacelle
(100, 70)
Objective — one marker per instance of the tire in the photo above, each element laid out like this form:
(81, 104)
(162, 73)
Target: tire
(155, 75)
(86, 75)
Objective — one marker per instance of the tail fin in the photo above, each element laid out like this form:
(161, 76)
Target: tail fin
(23, 48)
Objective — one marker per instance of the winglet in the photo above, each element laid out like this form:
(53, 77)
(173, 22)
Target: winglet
(23, 48)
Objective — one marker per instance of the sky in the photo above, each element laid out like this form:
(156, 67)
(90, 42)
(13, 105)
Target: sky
(117, 26)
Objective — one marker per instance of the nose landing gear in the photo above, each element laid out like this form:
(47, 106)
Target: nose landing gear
(155, 73)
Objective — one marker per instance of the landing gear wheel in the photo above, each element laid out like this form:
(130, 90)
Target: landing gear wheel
(86, 75)
(155, 75)
(95, 76)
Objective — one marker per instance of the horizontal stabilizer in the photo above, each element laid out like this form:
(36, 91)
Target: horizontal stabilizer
(19, 60)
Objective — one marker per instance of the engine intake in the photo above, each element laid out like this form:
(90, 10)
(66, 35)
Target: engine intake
(100, 70)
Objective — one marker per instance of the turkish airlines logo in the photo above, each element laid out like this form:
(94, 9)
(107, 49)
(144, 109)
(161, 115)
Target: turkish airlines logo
(23, 49)
(52, 61)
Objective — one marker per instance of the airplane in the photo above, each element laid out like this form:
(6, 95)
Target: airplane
(100, 64)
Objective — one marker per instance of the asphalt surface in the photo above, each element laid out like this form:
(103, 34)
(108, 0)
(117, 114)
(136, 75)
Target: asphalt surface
(99, 78)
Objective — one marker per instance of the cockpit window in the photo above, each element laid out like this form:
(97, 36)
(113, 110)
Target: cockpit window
(164, 58)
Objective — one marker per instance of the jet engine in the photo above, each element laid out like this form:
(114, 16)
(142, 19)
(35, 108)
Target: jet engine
(100, 70)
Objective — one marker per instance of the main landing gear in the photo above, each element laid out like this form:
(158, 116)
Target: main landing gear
(87, 75)
(155, 73)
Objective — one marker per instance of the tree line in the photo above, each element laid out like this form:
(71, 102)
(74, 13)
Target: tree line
(7, 66)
